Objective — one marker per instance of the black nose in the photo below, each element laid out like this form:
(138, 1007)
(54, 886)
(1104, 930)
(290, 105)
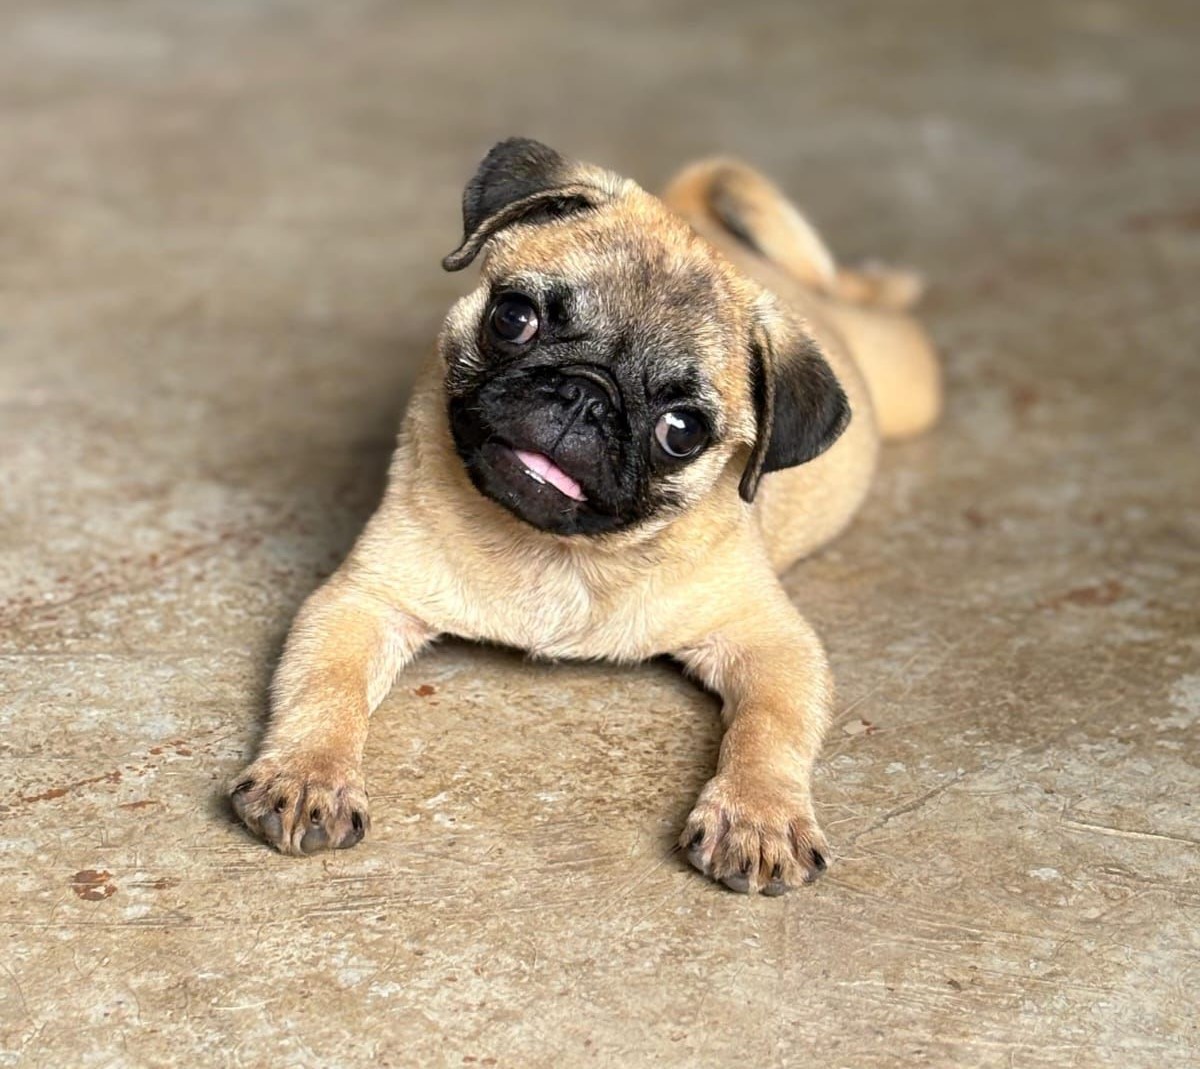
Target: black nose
(589, 388)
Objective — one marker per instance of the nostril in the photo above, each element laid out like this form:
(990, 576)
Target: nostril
(584, 398)
(596, 384)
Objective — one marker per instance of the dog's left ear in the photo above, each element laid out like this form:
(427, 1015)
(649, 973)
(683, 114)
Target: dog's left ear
(523, 181)
(800, 408)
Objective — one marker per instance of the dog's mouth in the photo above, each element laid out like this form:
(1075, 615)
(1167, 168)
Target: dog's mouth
(541, 469)
(518, 468)
(536, 489)
(530, 482)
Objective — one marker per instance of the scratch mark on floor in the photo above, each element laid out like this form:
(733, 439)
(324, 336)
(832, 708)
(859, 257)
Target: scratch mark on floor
(1128, 833)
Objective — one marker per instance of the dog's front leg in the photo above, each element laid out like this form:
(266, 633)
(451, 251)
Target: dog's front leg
(305, 791)
(753, 826)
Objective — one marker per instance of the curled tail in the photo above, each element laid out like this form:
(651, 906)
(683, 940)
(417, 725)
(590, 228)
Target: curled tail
(751, 209)
(732, 203)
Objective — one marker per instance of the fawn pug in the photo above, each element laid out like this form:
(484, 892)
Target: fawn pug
(645, 411)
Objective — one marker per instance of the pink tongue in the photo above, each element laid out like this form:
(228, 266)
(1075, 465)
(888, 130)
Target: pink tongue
(545, 468)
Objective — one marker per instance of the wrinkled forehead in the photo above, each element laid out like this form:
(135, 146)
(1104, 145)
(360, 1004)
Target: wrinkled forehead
(650, 280)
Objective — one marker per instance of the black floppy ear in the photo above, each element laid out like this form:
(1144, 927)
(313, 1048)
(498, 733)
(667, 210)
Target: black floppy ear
(800, 407)
(520, 180)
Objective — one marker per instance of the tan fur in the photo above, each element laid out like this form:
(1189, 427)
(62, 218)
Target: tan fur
(440, 558)
(857, 314)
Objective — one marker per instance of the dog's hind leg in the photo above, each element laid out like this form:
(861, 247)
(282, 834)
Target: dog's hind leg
(751, 220)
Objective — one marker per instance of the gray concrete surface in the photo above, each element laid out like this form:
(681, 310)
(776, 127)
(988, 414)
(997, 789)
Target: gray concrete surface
(220, 227)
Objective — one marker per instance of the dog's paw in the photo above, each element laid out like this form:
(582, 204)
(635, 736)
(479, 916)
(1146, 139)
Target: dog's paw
(755, 833)
(301, 802)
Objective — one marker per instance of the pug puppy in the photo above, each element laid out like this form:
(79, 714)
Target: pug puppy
(645, 411)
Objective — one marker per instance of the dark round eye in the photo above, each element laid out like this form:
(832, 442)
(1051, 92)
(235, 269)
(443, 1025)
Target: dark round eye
(514, 319)
(681, 434)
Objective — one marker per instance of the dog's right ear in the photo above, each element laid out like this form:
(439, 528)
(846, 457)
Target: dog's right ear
(523, 181)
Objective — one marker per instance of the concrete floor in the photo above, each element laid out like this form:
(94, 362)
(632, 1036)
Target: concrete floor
(220, 227)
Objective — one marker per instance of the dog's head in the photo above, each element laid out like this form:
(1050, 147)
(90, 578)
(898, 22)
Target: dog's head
(612, 364)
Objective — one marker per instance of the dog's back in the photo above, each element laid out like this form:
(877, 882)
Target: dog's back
(880, 353)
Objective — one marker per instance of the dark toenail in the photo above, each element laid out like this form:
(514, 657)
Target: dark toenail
(272, 827)
(697, 839)
(775, 888)
(245, 785)
(314, 839)
(356, 822)
(315, 815)
(819, 861)
(740, 884)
